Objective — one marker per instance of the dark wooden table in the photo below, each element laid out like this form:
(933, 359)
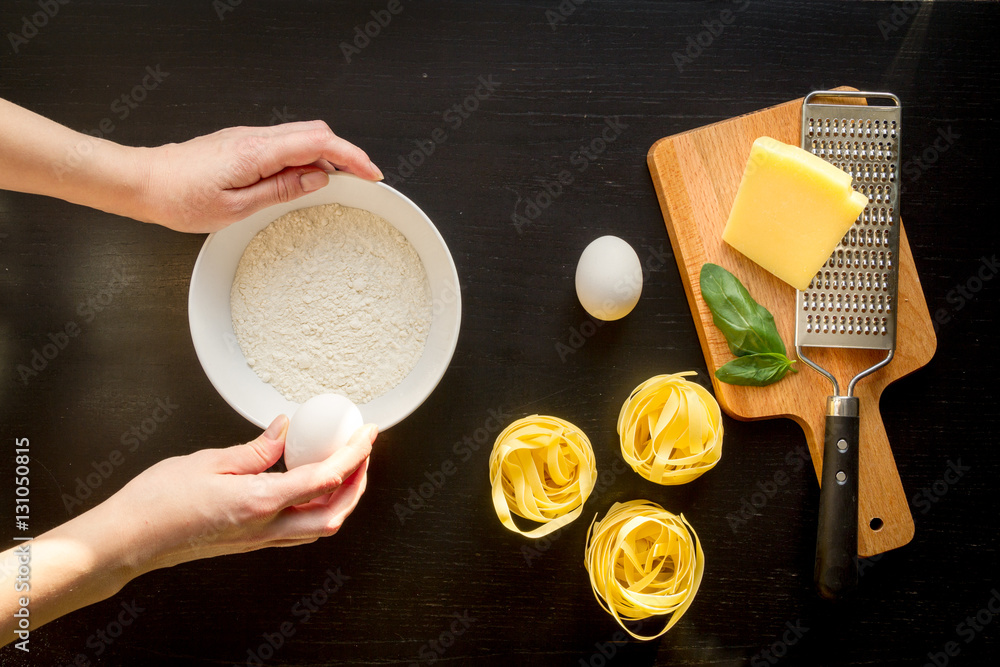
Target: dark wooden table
(447, 584)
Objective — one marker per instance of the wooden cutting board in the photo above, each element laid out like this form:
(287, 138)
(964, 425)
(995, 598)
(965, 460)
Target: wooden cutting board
(696, 175)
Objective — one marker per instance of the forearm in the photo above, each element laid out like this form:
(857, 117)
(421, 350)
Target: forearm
(40, 156)
(199, 185)
(76, 564)
(208, 503)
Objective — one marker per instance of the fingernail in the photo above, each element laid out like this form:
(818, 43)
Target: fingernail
(377, 171)
(372, 432)
(274, 430)
(313, 180)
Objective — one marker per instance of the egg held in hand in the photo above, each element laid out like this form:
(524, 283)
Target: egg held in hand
(609, 278)
(320, 426)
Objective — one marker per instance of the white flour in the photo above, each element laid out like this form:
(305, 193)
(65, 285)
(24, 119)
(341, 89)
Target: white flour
(331, 299)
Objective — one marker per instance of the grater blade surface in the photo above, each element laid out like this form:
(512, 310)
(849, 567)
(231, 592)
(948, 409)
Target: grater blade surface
(851, 302)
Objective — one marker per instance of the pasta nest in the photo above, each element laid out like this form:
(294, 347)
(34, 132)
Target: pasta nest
(643, 561)
(541, 468)
(670, 429)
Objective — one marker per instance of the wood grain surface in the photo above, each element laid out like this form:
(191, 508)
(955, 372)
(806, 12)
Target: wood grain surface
(696, 175)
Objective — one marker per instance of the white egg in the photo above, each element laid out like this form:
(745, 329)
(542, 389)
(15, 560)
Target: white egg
(608, 278)
(320, 426)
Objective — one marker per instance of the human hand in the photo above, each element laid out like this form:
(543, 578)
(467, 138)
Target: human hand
(200, 185)
(220, 501)
(211, 502)
(204, 184)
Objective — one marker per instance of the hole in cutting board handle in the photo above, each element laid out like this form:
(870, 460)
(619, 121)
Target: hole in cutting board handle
(876, 524)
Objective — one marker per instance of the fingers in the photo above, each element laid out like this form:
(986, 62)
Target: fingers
(282, 187)
(245, 169)
(321, 519)
(324, 164)
(312, 480)
(324, 501)
(292, 160)
(258, 455)
(299, 144)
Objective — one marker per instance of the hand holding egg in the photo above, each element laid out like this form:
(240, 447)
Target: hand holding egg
(320, 426)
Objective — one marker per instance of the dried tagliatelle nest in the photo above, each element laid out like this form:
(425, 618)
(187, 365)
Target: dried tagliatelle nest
(671, 429)
(542, 469)
(643, 561)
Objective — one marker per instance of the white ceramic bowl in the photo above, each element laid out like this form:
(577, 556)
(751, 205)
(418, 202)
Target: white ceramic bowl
(212, 325)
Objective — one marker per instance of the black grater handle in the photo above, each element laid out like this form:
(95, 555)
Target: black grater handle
(837, 537)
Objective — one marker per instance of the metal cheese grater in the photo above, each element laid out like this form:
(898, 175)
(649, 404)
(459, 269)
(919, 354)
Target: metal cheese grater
(851, 302)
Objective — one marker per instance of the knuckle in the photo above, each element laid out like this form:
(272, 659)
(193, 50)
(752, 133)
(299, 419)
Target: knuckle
(249, 151)
(321, 133)
(257, 450)
(320, 125)
(332, 528)
(282, 191)
(334, 482)
(249, 142)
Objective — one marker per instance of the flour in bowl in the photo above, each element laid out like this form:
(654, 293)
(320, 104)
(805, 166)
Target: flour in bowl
(331, 299)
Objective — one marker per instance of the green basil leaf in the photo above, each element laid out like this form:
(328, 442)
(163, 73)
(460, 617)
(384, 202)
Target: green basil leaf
(755, 370)
(749, 327)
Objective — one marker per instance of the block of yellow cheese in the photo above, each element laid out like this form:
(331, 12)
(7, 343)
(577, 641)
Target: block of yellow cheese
(791, 211)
